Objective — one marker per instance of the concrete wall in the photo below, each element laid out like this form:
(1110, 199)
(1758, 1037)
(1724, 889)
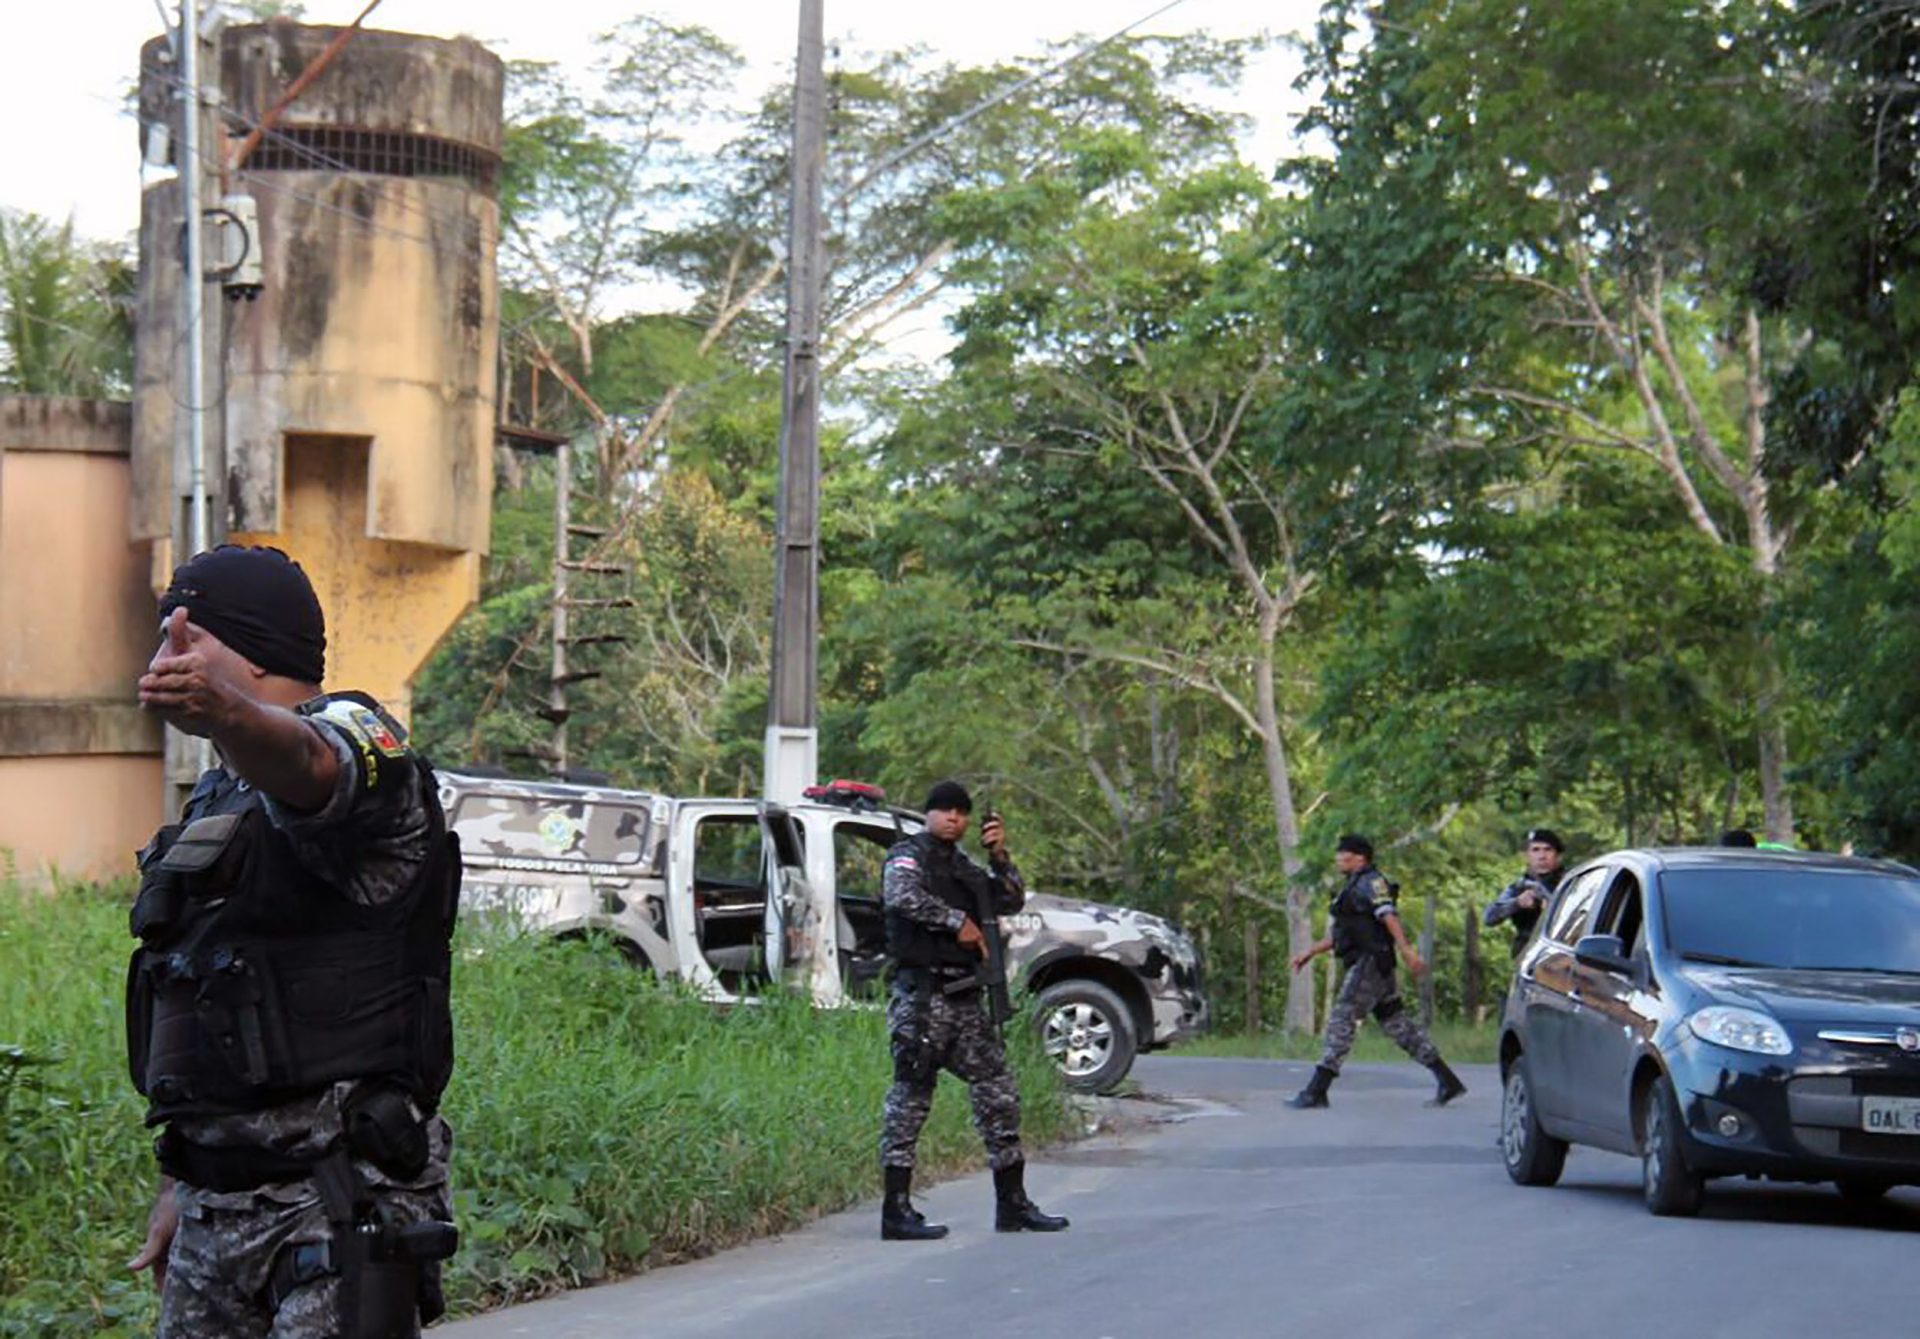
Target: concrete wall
(387, 604)
(79, 764)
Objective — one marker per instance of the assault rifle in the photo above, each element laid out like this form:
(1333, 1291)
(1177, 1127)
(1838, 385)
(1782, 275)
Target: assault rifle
(991, 975)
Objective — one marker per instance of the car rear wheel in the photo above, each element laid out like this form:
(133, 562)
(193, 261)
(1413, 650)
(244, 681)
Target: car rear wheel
(1671, 1190)
(1533, 1157)
(1858, 1191)
(1088, 1033)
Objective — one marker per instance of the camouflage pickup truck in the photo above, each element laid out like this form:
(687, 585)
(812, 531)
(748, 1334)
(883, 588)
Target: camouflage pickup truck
(730, 894)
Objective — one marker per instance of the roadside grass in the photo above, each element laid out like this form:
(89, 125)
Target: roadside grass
(1460, 1043)
(601, 1126)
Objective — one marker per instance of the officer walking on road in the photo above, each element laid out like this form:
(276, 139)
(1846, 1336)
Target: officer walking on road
(1522, 901)
(1364, 932)
(936, 1016)
(287, 1009)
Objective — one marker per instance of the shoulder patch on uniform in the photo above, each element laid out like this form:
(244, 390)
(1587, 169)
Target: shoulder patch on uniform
(903, 861)
(371, 738)
(365, 725)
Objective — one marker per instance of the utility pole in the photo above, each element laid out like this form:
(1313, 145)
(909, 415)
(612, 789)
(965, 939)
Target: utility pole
(193, 285)
(558, 708)
(195, 527)
(793, 741)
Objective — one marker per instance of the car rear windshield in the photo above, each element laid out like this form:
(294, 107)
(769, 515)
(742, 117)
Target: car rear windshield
(1807, 918)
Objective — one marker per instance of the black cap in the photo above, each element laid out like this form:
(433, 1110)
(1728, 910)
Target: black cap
(948, 795)
(1738, 837)
(258, 602)
(1354, 844)
(1546, 837)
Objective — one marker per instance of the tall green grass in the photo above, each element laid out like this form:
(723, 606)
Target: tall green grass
(601, 1126)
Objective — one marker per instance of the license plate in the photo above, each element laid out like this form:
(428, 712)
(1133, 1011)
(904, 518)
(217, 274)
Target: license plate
(1890, 1115)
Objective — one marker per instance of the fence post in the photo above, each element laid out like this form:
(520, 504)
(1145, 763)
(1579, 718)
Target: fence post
(1426, 952)
(1470, 970)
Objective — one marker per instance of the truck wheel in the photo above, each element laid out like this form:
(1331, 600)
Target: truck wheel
(1087, 1031)
(1671, 1190)
(1533, 1157)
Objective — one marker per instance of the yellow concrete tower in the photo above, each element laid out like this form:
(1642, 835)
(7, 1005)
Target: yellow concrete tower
(353, 396)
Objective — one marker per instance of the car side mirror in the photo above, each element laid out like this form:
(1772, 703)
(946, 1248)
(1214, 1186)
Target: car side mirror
(1603, 951)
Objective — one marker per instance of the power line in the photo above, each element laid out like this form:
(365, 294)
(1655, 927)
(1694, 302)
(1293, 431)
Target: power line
(914, 146)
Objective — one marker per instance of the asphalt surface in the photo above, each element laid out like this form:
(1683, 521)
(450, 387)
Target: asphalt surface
(1219, 1212)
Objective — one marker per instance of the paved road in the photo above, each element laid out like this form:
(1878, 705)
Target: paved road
(1378, 1218)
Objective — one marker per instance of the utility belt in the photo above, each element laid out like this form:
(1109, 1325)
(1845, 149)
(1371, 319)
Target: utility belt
(379, 1125)
(389, 1271)
(940, 979)
(1380, 955)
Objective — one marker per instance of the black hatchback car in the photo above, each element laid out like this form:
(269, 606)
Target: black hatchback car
(1719, 1012)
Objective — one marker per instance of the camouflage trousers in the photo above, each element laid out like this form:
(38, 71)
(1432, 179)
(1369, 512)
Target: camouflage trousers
(1369, 988)
(223, 1258)
(951, 1032)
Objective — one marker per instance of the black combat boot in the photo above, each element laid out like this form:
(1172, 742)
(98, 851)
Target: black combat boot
(1013, 1211)
(1315, 1093)
(899, 1220)
(1450, 1085)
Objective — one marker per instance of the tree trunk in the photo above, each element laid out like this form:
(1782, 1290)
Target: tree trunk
(1252, 945)
(1286, 824)
(1776, 800)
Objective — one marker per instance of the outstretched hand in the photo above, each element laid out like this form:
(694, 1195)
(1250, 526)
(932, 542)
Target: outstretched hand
(183, 687)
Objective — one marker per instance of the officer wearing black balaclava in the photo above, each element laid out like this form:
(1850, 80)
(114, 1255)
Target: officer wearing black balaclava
(287, 1008)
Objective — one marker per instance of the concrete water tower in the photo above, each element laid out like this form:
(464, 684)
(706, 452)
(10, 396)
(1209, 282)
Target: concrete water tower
(350, 399)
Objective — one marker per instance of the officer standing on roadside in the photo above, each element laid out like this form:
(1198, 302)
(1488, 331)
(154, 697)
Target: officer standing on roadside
(1364, 932)
(287, 1009)
(1526, 897)
(936, 1016)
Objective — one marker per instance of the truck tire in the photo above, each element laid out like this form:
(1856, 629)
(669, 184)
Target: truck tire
(1088, 1032)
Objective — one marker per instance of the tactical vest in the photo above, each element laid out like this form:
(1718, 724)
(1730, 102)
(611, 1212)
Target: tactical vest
(950, 876)
(1357, 931)
(256, 982)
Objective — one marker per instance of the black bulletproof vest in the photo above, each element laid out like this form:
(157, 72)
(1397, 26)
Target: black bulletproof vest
(256, 982)
(950, 876)
(1357, 932)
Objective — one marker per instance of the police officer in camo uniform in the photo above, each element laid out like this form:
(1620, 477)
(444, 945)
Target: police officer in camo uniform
(1365, 931)
(287, 1009)
(1522, 901)
(936, 1017)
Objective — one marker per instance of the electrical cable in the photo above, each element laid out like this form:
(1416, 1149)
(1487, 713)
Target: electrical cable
(914, 146)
